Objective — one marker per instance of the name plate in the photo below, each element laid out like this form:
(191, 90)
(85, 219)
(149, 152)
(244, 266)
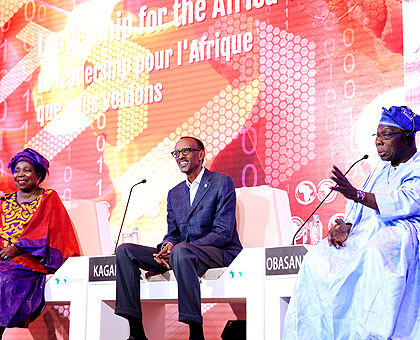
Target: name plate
(284, 260)
(102, 268)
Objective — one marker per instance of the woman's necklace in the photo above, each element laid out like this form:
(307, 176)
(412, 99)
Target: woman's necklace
(28, 199)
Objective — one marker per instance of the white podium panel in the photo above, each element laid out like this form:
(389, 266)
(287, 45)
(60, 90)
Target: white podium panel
(69, 284)
(264, 220)
(242, 281)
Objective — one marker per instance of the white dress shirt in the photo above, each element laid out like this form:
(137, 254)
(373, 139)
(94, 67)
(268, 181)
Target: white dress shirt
(194, 185)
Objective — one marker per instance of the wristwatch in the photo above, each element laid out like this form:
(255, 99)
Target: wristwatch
(360, 196)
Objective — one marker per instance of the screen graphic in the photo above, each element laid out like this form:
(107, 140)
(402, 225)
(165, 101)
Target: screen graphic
(278, 91)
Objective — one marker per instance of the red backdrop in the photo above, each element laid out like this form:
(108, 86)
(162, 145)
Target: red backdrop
(280, 108)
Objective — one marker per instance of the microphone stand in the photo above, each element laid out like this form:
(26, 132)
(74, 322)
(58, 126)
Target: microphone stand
(313, 212)
(125, 212)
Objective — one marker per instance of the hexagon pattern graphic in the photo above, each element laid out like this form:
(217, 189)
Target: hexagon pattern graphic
(286, 101)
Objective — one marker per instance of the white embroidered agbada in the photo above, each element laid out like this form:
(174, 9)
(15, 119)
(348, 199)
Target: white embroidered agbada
(369, 289)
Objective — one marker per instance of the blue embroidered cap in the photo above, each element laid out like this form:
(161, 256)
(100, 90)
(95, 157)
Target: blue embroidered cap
(401, 117)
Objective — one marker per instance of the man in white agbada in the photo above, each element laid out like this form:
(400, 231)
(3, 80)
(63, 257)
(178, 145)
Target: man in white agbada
(363, 281)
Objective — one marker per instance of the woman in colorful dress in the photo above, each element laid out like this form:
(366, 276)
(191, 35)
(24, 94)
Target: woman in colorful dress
(36, 237)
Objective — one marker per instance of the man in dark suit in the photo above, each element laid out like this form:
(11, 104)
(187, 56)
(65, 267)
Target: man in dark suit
(201, 235)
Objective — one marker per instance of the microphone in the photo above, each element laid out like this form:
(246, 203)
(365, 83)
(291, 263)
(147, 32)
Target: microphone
(313, 212)
(125, 212)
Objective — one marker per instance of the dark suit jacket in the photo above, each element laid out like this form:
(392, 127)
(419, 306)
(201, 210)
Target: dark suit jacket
(210, 220)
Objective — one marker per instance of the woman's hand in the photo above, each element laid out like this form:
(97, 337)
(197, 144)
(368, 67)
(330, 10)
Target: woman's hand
(338, 233)
(9, 253)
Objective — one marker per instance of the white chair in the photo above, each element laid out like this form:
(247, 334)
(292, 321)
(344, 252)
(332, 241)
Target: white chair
(69, 283)
(90, 220)
(264, 220)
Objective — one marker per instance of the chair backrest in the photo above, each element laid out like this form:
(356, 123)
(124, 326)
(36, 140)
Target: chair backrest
(263, 217)
(262, 213)
(90, 221)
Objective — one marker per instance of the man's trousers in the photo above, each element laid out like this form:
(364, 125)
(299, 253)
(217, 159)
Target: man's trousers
(186, 260)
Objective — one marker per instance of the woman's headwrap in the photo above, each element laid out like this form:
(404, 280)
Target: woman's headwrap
(39, 162)
(401, 117)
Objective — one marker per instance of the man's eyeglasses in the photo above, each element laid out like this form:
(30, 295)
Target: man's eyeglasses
(385, 136)
(184, 151)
